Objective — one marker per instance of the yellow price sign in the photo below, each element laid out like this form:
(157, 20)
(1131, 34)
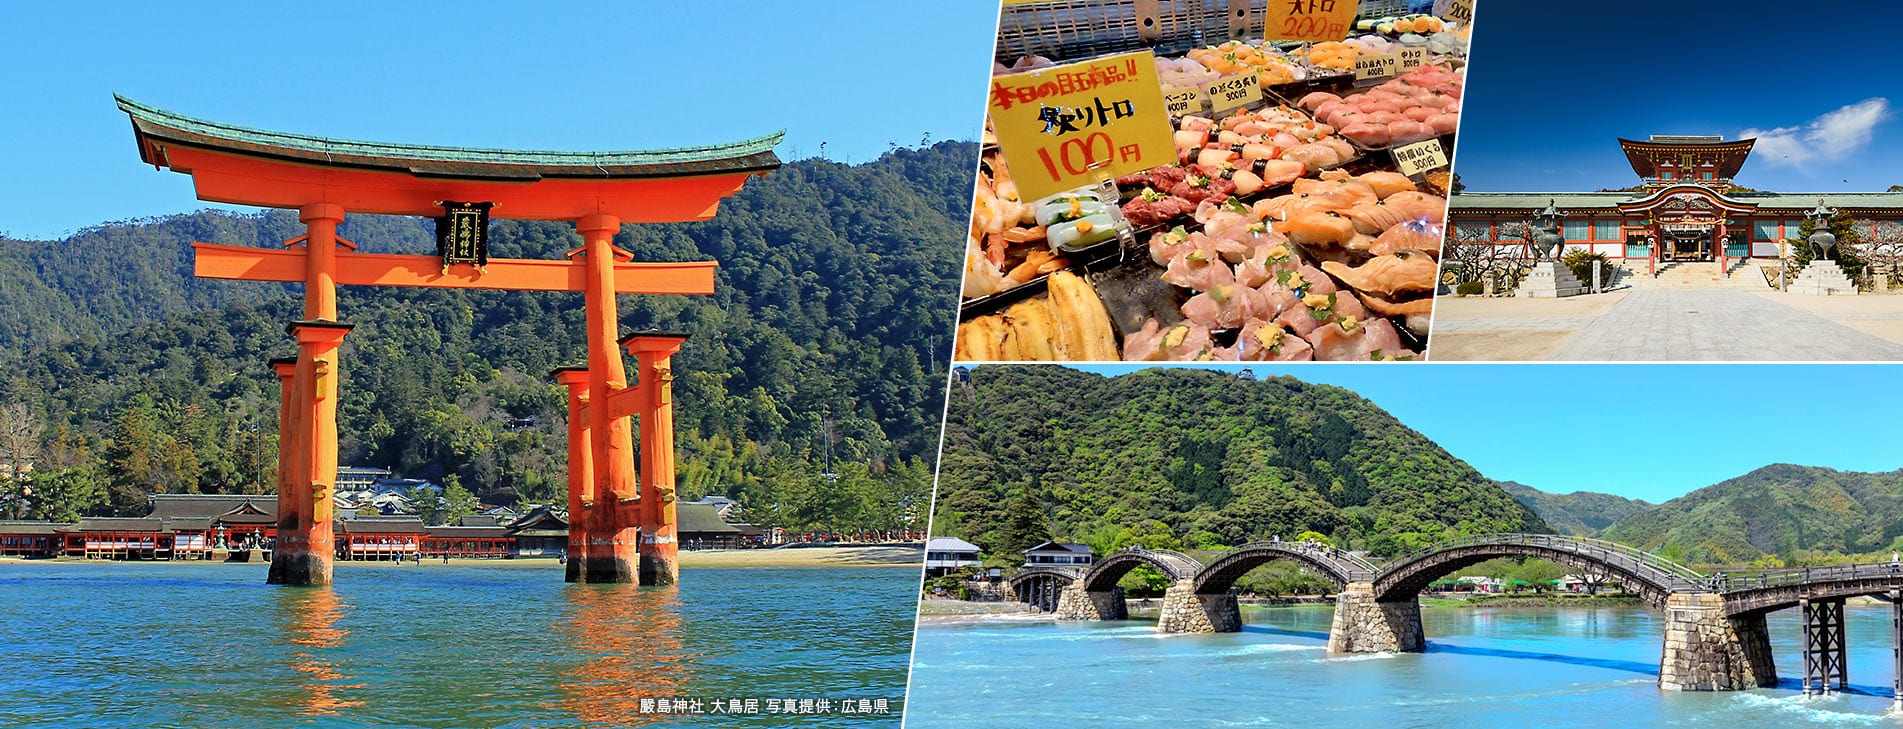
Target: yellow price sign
(1182, 101)
(1064, 127)
(1309, 20)
(1374, 65)
(1410, 57)
(1233, 91)
(1459, 11)
(1420, 157)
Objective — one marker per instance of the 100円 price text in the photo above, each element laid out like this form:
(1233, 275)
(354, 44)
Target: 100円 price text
(756, 706)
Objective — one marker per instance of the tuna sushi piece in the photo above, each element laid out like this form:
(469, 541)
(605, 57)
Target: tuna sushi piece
(1315, 99)
(1367, 134)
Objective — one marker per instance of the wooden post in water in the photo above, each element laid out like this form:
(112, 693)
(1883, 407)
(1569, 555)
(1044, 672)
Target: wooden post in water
(305, 546)
(660, 529)
(1824, 649)
(581, 468)
(1896, 650)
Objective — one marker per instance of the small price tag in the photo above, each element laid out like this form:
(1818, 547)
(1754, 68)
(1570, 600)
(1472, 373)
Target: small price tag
(1420, 157)
(1181, 101)
(1233, 91)
(1309, 20)
(1374, 65)
(1458, 11)
(1409, 58)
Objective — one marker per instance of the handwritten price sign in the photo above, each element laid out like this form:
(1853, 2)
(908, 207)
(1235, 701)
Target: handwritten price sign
(1374, 65)
(1180, 101)
(1231, 92)
(1420, 157)
(1309, 20)
(1411, 57)
(1072, 125)
(1459, 11)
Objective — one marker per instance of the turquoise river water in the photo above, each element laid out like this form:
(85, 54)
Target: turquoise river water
(1484, 667)
(210, 645)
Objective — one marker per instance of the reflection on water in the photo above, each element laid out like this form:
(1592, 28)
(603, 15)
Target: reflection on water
(309, 617)
(627, 640)
(210, 645)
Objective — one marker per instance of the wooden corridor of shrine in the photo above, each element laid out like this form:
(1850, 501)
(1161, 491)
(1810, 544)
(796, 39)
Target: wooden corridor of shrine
(622, 524)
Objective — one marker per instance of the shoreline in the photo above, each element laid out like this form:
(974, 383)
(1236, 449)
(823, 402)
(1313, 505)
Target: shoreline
(879, 555)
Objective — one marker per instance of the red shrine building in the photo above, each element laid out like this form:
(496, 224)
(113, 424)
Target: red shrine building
(1686, 213)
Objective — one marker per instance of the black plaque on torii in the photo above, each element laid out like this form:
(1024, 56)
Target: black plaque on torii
(462, 234)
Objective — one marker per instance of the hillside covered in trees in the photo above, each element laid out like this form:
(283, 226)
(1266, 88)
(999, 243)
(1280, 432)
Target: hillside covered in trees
(833, 314)
(1188, 458)
(1580, 513)
(1780, 514)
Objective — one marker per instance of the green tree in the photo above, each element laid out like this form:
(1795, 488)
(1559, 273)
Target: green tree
(457, 502)
(64, 495)
(1842, 225)
(1025, 526)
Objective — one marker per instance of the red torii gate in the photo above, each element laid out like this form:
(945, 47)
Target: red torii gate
(619, 530)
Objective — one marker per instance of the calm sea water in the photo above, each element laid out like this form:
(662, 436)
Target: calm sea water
(435, 646)
(1484, 667)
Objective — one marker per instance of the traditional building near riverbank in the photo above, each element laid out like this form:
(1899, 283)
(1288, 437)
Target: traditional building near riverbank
(1685, 221)
(471, 536)
(31, 538)
(944, 555)
(1059, 554)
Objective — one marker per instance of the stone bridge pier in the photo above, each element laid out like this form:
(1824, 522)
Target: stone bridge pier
(1186, 611)
(1365, 625)
(1077, 603)
(1708, 650)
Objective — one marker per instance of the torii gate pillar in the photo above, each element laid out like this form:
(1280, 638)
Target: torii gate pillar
(660, 530)
(305, 545)
(612, 528)
(581, 468)
(286, 370)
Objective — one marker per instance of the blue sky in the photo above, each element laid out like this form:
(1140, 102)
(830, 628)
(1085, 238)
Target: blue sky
(1660, 431)
(855, 74)
(1553, 85)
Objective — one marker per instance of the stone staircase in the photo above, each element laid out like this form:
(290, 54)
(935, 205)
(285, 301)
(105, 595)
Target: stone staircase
(1701, 275)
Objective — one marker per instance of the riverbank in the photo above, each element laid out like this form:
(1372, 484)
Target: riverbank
(871, 555)
(941, 611)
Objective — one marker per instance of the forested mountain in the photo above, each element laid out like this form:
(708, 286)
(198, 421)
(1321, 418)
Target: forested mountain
(835, 305)
(1800, 514)
(1580, 513)
(1197, 458)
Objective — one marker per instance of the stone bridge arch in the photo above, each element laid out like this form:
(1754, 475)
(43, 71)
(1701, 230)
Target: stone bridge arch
(1649, 576)
(1175, 566)
(1339, 566)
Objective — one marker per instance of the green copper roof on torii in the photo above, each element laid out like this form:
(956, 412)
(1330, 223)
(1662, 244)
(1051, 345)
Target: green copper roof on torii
(156, 127)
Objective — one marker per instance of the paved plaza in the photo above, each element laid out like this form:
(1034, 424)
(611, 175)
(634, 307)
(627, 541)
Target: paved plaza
(1665, 325)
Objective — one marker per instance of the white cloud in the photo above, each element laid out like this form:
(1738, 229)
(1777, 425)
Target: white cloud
(1828, 138)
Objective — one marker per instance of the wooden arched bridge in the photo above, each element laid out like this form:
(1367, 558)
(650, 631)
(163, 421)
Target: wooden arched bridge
(1715, 636)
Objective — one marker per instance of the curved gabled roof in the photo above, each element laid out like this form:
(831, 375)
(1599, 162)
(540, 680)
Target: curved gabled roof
(156, 129)
(1644, 155)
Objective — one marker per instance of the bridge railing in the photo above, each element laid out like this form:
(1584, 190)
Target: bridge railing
(1668, 574)
(1184, 563)
(1073, 572)
(1738, 582)
(1359, 568)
